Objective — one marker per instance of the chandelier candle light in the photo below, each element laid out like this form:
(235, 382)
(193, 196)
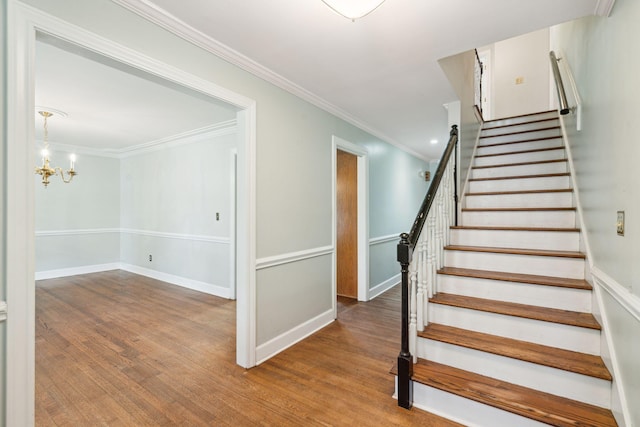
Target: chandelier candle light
(353, 9)
(46, 170)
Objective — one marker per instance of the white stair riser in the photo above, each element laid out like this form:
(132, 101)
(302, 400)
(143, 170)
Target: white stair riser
(534, 169)
(553, 219)
(522, 127)
(506, 159)
(583, 340)
(519, 136)
(465, 411)
(520, 146)
(527, 200)
(548, 240)
(549, 380)
(520, 184)
(522, 293)
(521, 119)
(572, 268)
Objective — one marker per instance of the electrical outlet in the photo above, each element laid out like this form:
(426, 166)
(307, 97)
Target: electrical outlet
(150, 258)
(519, 80)
(620, 223)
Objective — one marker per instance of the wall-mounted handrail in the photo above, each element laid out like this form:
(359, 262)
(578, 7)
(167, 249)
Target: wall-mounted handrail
(562, 96)
(412, 300)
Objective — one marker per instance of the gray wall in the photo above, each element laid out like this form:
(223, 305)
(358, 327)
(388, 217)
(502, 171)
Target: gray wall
(526, 57)
(3, 145)
(396, 192)
(460, 71)
(177, 192)
(602, 53)
(293, 161)
(78, 210)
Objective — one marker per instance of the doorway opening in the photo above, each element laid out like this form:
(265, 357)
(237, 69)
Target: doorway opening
(25, 24)
(350, 221)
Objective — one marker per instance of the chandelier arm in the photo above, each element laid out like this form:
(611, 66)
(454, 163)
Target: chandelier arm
(70, 173)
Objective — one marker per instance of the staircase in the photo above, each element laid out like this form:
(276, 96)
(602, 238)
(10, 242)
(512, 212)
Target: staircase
(510, 339)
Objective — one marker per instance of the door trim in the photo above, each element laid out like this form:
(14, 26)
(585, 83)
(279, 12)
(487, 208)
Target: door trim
(338, 143)
(23, 23)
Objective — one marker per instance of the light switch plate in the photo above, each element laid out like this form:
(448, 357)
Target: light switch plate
(620, 223)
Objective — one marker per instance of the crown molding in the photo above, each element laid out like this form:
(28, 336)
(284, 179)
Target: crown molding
(195, 135)
(162, 18)
(604, 7)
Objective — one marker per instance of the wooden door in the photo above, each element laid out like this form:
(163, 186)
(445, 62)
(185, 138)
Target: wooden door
(347, 224)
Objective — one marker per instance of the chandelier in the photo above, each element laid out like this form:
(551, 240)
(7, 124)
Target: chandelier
(353, 9)
(46, 170)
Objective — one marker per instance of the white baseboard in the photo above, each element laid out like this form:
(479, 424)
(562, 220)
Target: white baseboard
(282, 342)
(384, 286)
(74, 271)
(207, 288)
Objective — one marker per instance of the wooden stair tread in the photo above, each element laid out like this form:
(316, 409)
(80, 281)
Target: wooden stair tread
(516, 251)
(534, 279)
(521, 132)
(520, 124)
(571, 361)
(505, 193)
(517, 116)
(537, 150)
(544, 175)
(520, 141)
(519, 164)
(553, 315)
(544, 407)
(480, 227)
(516, 209)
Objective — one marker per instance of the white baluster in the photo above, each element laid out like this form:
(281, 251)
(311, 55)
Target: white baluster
(413, 333)
(431, 254)
(424, 279)
(421, 280)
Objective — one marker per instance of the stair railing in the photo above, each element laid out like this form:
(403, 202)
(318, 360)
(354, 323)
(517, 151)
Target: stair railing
(421, 254)
(557, 77)
(477, 75)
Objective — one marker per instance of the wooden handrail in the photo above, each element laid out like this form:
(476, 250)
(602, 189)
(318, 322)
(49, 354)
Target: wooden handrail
(405, 252)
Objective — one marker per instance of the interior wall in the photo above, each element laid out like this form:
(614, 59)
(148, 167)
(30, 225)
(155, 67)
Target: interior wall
(600, 53)
(524, 57)
(118, 212)
(460, 71)
(77, 223)
(169, 202)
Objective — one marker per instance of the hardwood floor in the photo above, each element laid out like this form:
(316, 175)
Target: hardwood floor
(117, 349)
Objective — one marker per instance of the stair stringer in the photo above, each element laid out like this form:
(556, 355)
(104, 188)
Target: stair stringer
(619, 405)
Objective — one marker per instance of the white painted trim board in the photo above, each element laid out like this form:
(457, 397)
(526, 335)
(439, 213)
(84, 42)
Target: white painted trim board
(282, 342)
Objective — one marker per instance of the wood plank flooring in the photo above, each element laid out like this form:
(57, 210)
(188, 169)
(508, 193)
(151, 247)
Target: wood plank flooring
(117, 349)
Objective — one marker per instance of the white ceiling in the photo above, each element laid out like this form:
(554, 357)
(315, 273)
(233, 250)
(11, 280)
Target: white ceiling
(110, 106)
(380, 72)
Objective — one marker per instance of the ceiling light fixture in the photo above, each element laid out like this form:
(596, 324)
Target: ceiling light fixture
(434, 141)
(353, 9)
(45, 170)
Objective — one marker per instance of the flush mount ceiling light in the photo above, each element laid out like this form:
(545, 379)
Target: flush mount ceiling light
(353, 9)
(434, 141)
